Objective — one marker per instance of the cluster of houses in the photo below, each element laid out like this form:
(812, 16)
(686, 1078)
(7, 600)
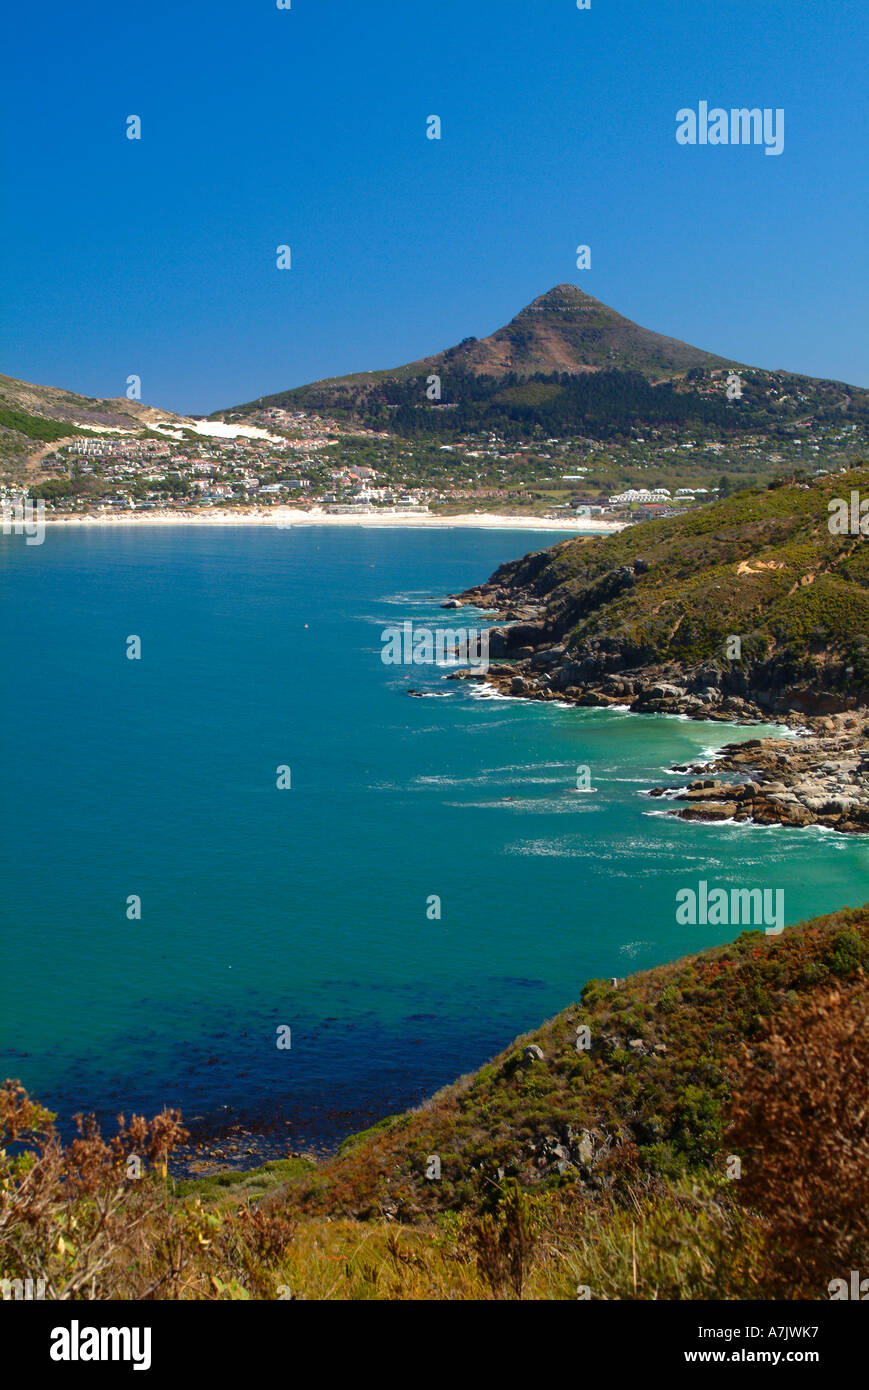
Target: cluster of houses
(361, 495)
(637, 503)
(150, 474)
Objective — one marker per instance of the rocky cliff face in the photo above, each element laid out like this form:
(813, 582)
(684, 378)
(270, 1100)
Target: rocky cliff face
(749, 611)
(617, 669)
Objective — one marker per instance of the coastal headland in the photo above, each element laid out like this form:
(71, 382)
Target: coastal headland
(754, 612)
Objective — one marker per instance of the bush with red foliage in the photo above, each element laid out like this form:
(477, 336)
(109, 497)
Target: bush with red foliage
(801, 1125)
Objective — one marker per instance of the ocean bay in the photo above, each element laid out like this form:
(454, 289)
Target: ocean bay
(306, 908)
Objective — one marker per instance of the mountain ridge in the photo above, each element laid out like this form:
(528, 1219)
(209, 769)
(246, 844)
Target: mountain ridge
(564, 329)
(568, 365)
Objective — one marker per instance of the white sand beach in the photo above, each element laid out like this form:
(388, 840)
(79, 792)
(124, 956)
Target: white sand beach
(287, 517)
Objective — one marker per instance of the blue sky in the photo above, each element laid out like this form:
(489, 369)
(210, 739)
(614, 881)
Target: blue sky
(307, 127)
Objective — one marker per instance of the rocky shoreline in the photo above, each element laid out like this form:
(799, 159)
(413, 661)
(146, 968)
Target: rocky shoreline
(820, 776)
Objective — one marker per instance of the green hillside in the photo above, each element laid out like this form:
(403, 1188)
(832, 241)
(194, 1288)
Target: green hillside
(667, 596)
(33, 415)
(650, 1094)
(706, 1137)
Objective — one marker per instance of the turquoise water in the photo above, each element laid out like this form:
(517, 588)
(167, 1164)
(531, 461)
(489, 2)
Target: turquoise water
(308, 907)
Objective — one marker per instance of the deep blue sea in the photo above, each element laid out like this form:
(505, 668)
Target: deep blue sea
(307, 907)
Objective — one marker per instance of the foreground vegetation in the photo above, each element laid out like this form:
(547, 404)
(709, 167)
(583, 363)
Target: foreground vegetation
(696, 1131)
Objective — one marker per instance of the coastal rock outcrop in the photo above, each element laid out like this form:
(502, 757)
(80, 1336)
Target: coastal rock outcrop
(819, 778)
